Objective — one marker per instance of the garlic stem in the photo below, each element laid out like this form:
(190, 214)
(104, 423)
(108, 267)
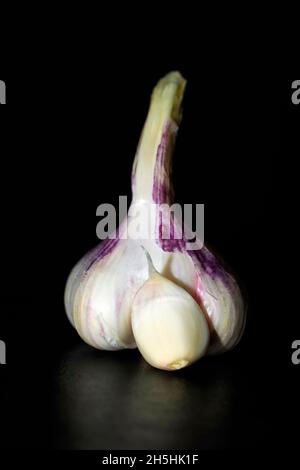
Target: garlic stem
(164, 116)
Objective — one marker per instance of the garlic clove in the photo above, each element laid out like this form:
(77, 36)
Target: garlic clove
(169, 327)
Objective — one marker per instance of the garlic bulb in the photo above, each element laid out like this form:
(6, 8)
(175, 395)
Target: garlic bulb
(169, 327)
(105, 290)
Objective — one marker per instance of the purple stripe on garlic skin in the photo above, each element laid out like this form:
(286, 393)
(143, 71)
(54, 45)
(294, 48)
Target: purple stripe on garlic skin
(109, 283)
(162, 192)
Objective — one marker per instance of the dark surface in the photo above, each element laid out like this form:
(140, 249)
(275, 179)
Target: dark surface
(117, 401)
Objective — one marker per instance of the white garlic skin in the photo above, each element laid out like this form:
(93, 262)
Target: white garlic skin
(169, 327)
(221, 299)
(98, 299)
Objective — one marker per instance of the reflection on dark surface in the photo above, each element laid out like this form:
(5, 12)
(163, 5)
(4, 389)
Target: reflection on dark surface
(116, 401)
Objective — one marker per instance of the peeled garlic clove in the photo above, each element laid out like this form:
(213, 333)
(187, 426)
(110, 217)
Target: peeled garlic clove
(169, 327)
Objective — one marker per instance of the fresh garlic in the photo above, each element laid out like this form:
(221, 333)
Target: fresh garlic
(169, 327)
(105, 289)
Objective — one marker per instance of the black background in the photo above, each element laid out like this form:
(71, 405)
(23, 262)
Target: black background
(68, 137)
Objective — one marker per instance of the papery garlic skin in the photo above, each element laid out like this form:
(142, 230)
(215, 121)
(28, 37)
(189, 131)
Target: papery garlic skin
(100, 304)
(220, 296)
(169, 327)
